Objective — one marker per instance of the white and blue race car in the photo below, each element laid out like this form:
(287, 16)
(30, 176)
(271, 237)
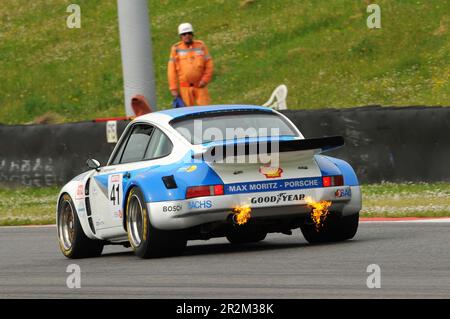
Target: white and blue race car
(231, 171)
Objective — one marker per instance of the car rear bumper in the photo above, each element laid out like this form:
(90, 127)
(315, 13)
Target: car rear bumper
(183, 214)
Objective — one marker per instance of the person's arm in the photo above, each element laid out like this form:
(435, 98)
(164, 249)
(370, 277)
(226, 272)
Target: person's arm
(209, 68)
(172, 73)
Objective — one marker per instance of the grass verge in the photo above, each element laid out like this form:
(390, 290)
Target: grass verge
(28, 206)
(406, 200)
(32, 206)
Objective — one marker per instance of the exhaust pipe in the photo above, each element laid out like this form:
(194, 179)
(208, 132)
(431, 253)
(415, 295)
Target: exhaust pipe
(241, 215)
(233, 218)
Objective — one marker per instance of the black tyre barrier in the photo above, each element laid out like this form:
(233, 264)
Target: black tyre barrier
(393, 144)
(382, 144)
(47, 155)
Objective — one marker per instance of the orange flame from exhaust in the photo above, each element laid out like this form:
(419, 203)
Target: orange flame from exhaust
(319, 212)
(242, 214)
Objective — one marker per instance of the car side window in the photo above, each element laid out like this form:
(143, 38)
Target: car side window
(159, 146)
(137, 143)
(119, 152)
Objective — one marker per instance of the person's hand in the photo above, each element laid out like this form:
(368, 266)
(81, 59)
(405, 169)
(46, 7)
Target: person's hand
(201, 84)
(174, 93)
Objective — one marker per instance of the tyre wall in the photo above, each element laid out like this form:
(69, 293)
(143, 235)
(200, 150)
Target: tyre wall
(386, 143)
(382, 144)
(46, 155)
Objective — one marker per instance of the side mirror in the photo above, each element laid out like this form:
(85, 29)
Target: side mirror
(93, 164)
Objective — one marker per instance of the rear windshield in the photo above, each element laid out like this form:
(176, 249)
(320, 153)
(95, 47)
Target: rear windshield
(228, 126)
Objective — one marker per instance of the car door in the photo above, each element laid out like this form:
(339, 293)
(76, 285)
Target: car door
(106, 187)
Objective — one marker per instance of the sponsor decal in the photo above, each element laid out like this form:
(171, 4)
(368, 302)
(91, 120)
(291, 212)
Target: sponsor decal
(99, 223)
(191, 168)
(270, 172)
(118, 214)
(275, 199)
(172, 208)
(343, 193)
(200, 204)
(80, 191)
(188, 169)
(115, 195)
(280, 185)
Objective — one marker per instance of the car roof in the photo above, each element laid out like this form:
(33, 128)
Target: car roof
(168, 115)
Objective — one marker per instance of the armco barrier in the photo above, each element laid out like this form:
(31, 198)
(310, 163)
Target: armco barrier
(382, 143)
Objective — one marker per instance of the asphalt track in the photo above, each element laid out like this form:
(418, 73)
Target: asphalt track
(414, 258)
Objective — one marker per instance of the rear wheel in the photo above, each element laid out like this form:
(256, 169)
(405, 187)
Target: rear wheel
(72, 240)
(146, 240)
(335, 229)
(243, 236)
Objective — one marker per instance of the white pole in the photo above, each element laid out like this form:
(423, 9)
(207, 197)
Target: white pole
(136, 47)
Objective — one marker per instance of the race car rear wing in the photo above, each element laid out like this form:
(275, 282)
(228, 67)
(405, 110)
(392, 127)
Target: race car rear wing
(316, 145)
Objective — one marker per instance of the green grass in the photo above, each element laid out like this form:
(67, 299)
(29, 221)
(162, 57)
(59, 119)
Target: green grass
(322, 50)
(406, 200)
(28, 206)
(32, 206)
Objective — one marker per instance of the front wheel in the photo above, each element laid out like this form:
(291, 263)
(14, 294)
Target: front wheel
(335, 229)
(146, 240)
(72, 240)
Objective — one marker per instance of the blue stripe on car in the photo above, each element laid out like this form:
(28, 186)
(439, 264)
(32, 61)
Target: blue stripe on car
(155, 190)
(149, 179)
(327, 167)
(183, 111)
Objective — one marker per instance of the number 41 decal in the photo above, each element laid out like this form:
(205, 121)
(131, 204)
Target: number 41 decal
(115, 194)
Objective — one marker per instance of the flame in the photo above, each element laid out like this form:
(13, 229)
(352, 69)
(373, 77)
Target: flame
(242, 214)
(319, 212)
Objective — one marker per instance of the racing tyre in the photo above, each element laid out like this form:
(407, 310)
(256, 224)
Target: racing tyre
(245, 237)
(146, 240)
(334, 229)
(72, 240)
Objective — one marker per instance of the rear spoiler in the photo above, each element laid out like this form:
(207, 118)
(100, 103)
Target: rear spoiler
(318, 145)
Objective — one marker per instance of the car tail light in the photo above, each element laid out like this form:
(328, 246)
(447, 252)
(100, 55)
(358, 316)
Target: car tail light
(218, 189)
(338, 180)
(329, 181)
(199, 191)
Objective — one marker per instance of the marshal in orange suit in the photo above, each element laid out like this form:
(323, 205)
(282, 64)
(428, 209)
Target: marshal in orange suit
(190, 68)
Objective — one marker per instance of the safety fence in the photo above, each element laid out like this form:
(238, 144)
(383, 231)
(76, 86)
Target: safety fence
(382, 144)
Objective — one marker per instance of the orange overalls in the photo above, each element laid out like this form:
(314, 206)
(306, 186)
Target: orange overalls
(187, 67)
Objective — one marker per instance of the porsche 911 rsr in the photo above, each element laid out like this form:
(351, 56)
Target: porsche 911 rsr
(187, 174)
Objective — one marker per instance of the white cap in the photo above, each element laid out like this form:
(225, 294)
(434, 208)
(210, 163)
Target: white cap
(184, 28)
